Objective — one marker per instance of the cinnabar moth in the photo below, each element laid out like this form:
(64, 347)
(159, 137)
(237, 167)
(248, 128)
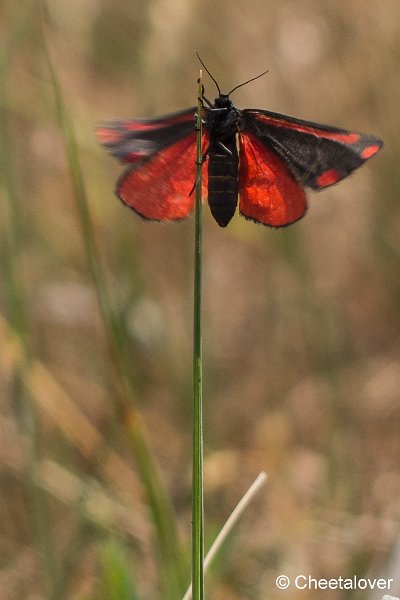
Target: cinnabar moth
(263, 158)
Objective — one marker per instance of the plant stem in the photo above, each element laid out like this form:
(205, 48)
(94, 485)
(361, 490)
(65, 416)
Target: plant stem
(198, 508)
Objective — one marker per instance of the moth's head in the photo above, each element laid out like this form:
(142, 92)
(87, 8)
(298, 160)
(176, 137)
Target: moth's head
(223, 101)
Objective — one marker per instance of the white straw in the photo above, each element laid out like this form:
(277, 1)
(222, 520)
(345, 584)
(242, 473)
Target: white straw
(231, 521)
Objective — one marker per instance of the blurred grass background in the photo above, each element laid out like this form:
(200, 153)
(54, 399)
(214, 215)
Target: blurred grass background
(301, 341)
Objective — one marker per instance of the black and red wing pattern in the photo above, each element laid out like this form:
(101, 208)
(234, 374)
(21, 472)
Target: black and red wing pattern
(162, 154)
(278, 156)
(317, 155)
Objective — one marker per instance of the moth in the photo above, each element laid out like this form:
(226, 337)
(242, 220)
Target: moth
(254, 158)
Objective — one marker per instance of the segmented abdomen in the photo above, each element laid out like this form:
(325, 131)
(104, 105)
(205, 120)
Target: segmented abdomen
(223, 181)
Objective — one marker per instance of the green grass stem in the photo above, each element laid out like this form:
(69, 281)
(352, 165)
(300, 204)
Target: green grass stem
(172, 564)
(198, 508)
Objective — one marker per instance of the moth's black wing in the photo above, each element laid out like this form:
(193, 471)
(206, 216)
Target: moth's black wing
(317, 155)
(134, 140)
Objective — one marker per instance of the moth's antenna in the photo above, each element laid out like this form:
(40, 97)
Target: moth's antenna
(214, 80)
(248, 81)
(236, 87)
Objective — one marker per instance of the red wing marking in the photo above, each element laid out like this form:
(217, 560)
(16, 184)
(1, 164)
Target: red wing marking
(107, 135)
(328, 178)
(370, 151)
(164, 122)
(269, 194)
(159, 188)
(345, 137)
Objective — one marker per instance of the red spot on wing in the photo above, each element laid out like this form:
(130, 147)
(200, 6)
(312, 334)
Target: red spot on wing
(269, 194)
(370, 151)
(107, 135)
(345, 137)
(159, 188)
(328, 178)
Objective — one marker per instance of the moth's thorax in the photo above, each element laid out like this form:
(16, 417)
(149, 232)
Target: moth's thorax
(223, 101)
(223, 119)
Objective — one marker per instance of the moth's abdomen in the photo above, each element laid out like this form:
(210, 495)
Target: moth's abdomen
(223, 182)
